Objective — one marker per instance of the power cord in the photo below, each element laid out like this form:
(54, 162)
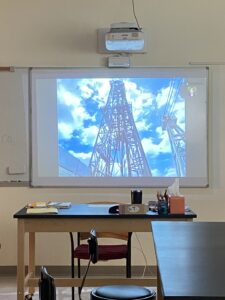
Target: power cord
(93, 256)
(143, 254)
(83, 280)
(134, 13)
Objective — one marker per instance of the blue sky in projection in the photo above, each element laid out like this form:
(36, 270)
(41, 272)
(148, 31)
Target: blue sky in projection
(80, 106)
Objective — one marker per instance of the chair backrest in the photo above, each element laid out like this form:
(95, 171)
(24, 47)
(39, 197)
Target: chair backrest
(93, 246)
(47, 290)
(115, 235)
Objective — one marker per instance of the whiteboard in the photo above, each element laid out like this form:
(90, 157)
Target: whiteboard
(14, 135)
(135, 127)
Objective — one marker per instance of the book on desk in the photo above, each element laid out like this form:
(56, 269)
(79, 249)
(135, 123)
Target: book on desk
(42, 207)
(42, 210)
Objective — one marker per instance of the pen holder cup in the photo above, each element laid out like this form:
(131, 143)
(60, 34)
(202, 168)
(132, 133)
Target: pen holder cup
(163, 208)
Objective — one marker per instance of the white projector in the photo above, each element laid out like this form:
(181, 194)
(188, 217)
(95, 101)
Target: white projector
(124, 37)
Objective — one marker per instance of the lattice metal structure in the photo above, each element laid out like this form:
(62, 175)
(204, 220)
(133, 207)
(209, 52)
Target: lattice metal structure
(175, 133)
(118, 150)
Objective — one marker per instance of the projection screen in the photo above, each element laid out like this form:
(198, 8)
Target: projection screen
(134, 127)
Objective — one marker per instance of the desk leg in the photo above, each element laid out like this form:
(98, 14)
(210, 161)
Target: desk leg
(20, 259)
(31, 266)
(159, 287)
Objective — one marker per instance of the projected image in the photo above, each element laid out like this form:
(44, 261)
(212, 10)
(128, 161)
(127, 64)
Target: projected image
(128, 127)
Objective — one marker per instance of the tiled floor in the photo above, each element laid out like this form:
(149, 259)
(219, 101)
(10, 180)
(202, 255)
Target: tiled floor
(8, 291)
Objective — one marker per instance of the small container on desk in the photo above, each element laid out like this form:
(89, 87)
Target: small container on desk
(136, 197)
(177, 204)
(163, 208)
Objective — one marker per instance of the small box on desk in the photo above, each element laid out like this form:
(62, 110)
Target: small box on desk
(128, 209)
(177, 204)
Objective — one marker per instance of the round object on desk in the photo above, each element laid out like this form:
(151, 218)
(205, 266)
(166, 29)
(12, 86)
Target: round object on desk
(122, 292)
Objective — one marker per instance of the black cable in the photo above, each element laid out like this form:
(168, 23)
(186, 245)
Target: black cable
(135, 15)
(83, 280)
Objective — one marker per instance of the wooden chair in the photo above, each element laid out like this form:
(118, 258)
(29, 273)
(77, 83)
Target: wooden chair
(105, 252)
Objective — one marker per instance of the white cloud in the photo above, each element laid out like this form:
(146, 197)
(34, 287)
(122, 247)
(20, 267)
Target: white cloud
(81, 155)
(142, 125)
(86, 91)
(155, 172)
(141, 100)
(162, 97)
(155, 149)
(67, 98)
(103, 92)
(66, 130)
(77, 112)
(88, 88)
(171, 172)
(89, 135)
(179, 111)
(79, 115)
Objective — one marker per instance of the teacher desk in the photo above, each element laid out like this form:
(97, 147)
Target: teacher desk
(79, 218)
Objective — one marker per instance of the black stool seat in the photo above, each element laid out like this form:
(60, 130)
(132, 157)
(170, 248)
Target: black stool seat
(122, 292)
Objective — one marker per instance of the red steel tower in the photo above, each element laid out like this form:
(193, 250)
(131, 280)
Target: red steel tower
(118, 150)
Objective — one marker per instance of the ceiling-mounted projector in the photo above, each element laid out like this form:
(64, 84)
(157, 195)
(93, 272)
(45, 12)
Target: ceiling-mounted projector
(124, 37)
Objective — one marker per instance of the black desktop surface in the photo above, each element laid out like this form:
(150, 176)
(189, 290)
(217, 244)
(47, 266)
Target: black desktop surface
(191, 259)
(98, 211)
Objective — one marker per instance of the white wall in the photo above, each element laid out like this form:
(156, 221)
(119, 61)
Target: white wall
(63, 33)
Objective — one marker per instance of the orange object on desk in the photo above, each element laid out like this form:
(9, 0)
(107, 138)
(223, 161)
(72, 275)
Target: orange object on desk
(177, 204)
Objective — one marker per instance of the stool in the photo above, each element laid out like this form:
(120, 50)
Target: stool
(122, 292)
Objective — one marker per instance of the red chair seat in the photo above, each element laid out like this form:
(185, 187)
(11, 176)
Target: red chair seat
(105, 252)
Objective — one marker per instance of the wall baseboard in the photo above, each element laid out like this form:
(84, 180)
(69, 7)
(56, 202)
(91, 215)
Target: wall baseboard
(94, 270)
